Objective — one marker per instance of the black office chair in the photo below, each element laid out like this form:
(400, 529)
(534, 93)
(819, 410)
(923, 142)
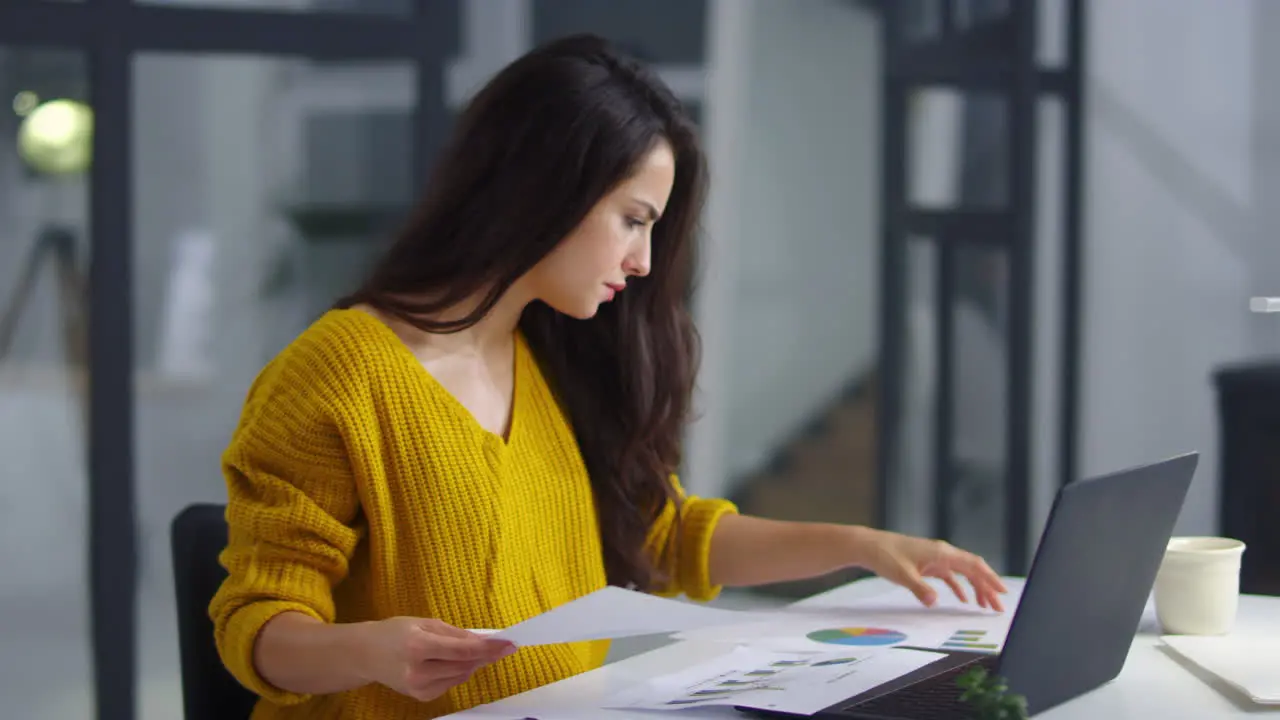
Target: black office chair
(209, 691)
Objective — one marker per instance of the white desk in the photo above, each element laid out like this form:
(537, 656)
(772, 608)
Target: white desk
(1154, 683)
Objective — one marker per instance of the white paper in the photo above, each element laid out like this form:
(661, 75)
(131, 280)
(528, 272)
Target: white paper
(1247, 662)
(892, 619)
(801, 683)
(864, 630)
(613, 612)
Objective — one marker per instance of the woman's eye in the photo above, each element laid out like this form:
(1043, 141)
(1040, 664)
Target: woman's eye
(635, 222)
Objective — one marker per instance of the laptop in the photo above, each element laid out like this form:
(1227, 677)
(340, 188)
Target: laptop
(1081, 603)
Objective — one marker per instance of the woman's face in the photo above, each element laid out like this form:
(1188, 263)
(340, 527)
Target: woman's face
(611, 244)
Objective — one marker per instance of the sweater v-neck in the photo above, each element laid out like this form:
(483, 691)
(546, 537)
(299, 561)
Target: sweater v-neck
(434, 386)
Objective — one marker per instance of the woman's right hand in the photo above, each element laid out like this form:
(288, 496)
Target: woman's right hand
(424, 657)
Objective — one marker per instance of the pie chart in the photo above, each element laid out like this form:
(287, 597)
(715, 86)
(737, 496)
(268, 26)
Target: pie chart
(860, 636)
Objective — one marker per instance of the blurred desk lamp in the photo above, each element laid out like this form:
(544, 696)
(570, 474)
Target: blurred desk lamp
(55, 140)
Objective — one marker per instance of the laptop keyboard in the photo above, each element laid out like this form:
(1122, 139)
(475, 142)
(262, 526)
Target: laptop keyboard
(937, 698)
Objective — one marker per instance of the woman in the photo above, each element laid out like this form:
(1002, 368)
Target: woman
(490, 426)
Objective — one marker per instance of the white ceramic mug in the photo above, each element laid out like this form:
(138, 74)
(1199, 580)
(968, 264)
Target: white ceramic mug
(1198, 587)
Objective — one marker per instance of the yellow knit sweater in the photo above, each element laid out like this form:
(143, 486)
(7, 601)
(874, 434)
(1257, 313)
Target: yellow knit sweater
(360, 489)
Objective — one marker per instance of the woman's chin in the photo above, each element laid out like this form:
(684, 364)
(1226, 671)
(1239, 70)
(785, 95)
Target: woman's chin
(580, 311)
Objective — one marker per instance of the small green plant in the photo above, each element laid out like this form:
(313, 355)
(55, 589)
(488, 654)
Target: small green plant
(989, 696)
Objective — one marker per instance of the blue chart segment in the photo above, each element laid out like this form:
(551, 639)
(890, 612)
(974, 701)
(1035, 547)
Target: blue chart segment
(857, 636)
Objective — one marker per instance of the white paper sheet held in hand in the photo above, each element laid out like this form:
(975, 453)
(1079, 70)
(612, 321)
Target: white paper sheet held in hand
(800, 683)
(613, 612)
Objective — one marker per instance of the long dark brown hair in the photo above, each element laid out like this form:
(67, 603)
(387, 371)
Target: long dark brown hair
(533, 152)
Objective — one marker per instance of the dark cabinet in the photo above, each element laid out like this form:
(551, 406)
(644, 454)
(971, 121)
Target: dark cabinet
(1249, 418)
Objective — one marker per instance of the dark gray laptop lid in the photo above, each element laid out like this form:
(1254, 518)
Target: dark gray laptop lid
(1089, 582)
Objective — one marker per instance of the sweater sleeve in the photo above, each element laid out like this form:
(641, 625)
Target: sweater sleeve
(680, 543)
(292, 502)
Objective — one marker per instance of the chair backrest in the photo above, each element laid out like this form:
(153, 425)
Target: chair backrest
(197, 536)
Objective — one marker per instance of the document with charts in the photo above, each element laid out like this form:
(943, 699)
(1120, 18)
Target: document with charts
(891, 619)
(801, 683)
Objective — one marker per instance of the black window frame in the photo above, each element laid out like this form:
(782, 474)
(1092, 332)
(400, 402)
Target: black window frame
(110, 33)
(999, 56)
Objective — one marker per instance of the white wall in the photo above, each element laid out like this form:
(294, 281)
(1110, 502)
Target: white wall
(793, 222)
(1177, 235)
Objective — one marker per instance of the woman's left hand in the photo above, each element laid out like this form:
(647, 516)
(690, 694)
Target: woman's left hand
(907, 561)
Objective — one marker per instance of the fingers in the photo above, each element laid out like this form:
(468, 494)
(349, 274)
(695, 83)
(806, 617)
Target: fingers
(980, 571)
(991, 597)
(950, 580)
(909, 578)
(436, 656)
(906, 560)
(441, 641)
(469, 649)
(434, 678)
(449, 669)
(439, 627)
(986, 583)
